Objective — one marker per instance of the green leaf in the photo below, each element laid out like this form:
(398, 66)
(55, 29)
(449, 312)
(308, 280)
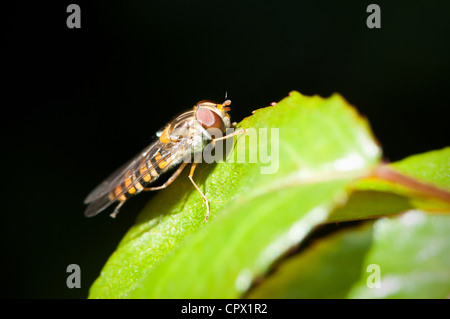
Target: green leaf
(417, 182)
(255, 218)
(431, 167)
(411, 253)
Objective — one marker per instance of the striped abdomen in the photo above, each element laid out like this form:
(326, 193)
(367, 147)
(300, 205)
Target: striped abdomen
(144, 173)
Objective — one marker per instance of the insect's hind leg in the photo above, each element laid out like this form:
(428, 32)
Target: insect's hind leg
(167, 183)
(170, 180)
(116, 210)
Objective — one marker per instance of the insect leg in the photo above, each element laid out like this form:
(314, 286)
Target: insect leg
(116, 210)
(191, 173)
(170, 180)
(227, 136)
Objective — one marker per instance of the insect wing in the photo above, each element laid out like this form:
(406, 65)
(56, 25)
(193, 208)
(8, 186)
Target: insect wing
(100, 198)
(98, 205)
(108, 184)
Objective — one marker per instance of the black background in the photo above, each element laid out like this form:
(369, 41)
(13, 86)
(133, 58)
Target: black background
(77, 103)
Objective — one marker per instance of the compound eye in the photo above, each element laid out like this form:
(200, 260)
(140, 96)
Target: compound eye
(209, 119)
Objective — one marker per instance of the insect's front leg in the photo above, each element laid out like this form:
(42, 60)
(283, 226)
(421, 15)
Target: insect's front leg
(228, 136)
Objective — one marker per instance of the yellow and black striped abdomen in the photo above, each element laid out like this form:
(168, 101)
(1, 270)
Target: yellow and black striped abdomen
(146, 172)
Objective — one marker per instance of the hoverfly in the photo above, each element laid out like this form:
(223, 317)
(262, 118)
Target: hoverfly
(183, 138)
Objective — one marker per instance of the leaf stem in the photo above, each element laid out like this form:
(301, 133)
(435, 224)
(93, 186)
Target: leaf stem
(388, 174)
